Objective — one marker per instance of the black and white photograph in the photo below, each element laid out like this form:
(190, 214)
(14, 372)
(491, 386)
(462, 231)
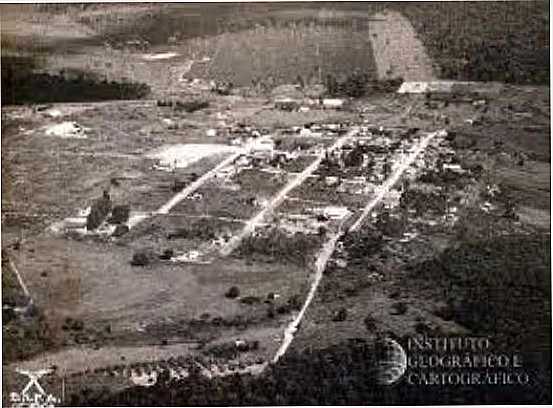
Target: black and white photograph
(275, 203)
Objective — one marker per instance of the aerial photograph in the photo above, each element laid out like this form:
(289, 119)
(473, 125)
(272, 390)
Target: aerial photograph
(275, 203)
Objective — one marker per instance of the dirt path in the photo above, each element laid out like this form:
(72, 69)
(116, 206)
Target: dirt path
(19, 279)
(191, 188)
(320, 265)
(328, 248)
(397, 50)
(281, 195)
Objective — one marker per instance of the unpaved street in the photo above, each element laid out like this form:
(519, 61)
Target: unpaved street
(278, 198)
(328, 248)
(398, 52)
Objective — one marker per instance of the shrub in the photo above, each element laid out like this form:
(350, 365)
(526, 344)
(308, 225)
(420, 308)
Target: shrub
(399, 308)
(192, 106)
(222, 88)
(120, 230)
(422, 328)
(364, 243)
(202, 229)
(98, 213)
(340, 315)
(370, 323)
(73, 324)
(140, 259)
(120, 214)
(233, 292)
(250, 300)
(270, 310)
(279, 246)
(294, 302)
(167, 254)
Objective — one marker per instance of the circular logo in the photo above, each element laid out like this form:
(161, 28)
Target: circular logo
(391, 362)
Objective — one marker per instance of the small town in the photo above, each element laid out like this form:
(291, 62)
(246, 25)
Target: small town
(190, 219)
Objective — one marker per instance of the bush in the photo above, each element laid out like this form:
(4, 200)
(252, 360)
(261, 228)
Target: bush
(389, 226)
(363, 244)
(422, 328)
(399, 308)
(370, 323)
(36, 336)
(358, 84)
(278, 246)
(226, 351)
(217, 321)
(192, 106)
(167, 254)
(355, 85)
(295, 302)
(120, 230)
(354, 158)
(250, 300)
(8, 314)
(340, 315)
(73, 324)
(222, 88)
(140, 259)
(98, 213)
(120, 214)
(233, 292)
(202, 229)
(270, 310)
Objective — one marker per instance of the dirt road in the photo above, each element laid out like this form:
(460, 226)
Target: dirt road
(393, 179)
(328, 248)
(397, 50)
(320, 265)
(281, 195)
(76, 359)
(191, 188)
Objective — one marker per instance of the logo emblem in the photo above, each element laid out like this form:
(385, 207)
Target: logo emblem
(391, 362)
(33, 394)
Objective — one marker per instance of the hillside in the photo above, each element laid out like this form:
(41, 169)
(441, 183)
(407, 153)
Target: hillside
(277, 43)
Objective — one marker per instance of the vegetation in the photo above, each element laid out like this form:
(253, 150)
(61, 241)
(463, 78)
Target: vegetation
(200, 229)
(12, 294)
(481, 41)
(191, 106)
(363, 244)
(276, 245)
(344, 374)
(142, 258)
(485, 41)
(358, 84)
(499, 285)
(24, 341)
(22, 83)
(233, 292)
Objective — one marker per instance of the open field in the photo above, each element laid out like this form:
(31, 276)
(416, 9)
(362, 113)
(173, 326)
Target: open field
(186, 245)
